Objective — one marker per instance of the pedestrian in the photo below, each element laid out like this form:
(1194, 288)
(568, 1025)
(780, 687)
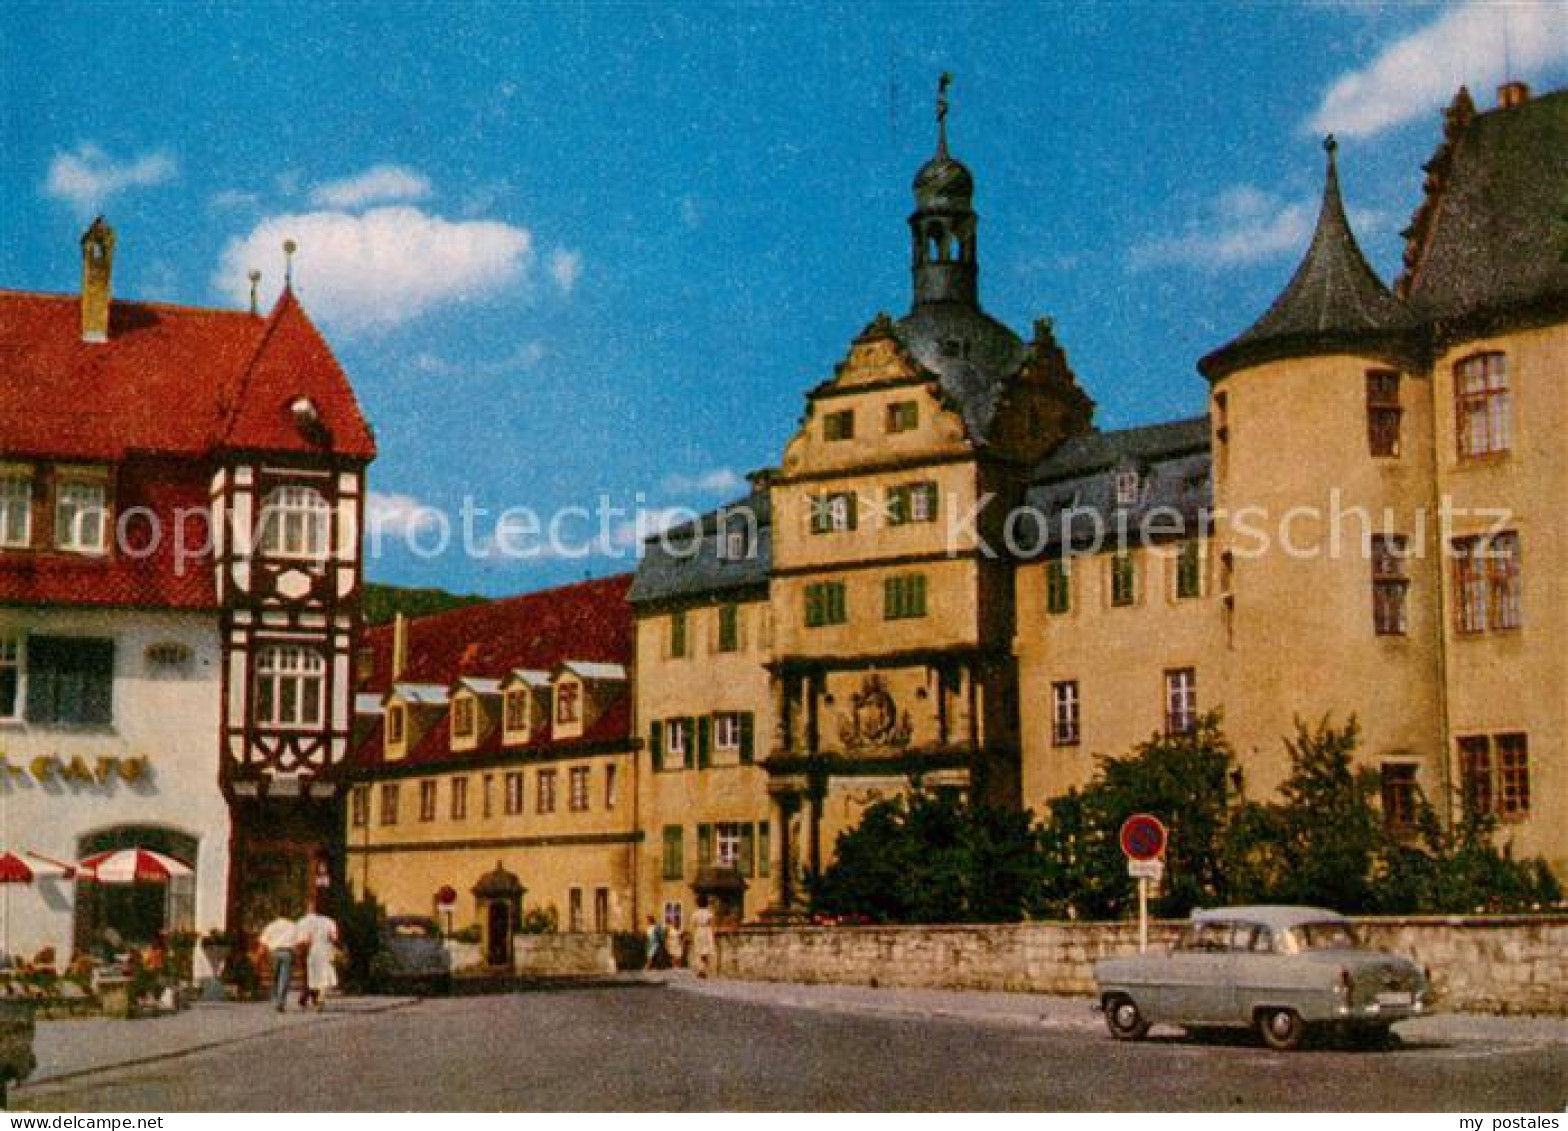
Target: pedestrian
(279, 938)
(674, 944)
(655, 944)
(317, 935)
(702, 936)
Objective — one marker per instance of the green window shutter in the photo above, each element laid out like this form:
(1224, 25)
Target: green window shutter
(674, 852)
(729, 628)
(890, 601)
(851, 505)
(764, 847)
(897, 505)
(704, 732)
(835, 602)
(747, 864)
(918, 595)
(656, 743)
(819, 514)
(748, 728)
(704, 846)
(1058, 591)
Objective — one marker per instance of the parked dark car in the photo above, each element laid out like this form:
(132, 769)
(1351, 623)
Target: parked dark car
(1282, 971)
(412, 956)
(16, 1045)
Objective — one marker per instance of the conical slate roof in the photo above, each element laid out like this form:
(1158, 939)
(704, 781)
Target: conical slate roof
(1334, 303)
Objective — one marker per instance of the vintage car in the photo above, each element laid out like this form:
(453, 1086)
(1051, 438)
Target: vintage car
(1281, 970)
(412, 956)
(16, 1045)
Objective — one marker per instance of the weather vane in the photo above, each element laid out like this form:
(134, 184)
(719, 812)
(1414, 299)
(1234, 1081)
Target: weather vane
(941, 110)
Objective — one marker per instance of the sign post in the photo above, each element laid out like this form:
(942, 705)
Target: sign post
(1143, 840)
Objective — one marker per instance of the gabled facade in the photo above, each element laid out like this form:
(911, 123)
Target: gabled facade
(159, 609)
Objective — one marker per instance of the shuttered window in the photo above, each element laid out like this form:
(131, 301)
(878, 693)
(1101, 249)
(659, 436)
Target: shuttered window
(70, 681)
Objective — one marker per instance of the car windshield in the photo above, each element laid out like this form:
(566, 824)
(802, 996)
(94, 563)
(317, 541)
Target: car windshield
(1330, 934)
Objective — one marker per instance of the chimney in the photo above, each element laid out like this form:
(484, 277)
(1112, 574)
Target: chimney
(399, 646)
(1512, 94)
(97, 266)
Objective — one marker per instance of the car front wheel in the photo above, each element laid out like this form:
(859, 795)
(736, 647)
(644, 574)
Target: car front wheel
(1124, 1020)
(1281, 1029)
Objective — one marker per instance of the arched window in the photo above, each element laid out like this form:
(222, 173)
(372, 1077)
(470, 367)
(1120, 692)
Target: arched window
(294, 523)
(290, 687)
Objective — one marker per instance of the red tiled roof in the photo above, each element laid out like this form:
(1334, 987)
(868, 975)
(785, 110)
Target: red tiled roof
(591, 620)
(128, 580)
(173, 380)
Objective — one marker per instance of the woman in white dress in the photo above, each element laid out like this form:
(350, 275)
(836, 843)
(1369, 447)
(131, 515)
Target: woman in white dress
(702, 937)
(318, 934)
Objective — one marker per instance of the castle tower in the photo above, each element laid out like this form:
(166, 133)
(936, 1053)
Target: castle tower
(1322, 425)
(942, 226)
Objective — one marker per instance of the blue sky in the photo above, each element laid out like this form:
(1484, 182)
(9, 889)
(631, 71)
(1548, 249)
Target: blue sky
(566, 251)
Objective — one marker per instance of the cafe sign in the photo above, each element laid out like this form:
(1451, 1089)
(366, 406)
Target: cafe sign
(79, 769)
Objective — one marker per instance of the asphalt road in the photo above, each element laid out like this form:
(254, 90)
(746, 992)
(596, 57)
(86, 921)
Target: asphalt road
(654, 1048)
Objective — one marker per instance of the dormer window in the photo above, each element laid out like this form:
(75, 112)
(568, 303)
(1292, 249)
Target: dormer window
(568, 702)
(1128, 486)
(396, 714)
(517, 709)
(81, 518)
(463, 717)
(294, 523)
(16, 507)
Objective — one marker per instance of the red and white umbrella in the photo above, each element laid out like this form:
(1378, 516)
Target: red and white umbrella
(28, 867)
(131, 866)
(15, 870)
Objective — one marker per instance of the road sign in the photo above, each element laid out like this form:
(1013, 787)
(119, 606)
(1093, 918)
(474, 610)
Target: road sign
(1146, 869)
(1143, 837)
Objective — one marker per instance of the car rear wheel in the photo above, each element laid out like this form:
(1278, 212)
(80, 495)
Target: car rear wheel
(1124, 1020)
(1281, 1029)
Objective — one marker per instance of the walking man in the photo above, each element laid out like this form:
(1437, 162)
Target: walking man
(280, 937)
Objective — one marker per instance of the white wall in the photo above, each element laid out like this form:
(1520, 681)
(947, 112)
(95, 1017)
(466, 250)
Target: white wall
(171, 718)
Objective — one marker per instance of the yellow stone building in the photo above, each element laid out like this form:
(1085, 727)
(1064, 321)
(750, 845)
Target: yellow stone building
(495, 744)
(953, 579)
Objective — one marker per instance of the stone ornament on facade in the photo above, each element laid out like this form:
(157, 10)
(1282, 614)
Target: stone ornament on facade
(874, 719)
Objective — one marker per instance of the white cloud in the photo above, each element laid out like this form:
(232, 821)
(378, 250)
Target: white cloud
(380, 184)
(1244, 225)
(87, 176)
(385, 267)
(565, 267)
(397, 516)
(1480, 44)
(523, 358)
(718, 479)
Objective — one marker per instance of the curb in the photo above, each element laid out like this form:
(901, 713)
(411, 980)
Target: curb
(43, 1082)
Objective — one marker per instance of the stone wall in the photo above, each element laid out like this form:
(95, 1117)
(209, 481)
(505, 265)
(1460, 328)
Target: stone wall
(1491, 964)
(563, 955)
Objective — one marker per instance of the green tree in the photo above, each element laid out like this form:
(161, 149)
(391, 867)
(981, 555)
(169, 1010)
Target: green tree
(1189, 781)
(931, 857)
